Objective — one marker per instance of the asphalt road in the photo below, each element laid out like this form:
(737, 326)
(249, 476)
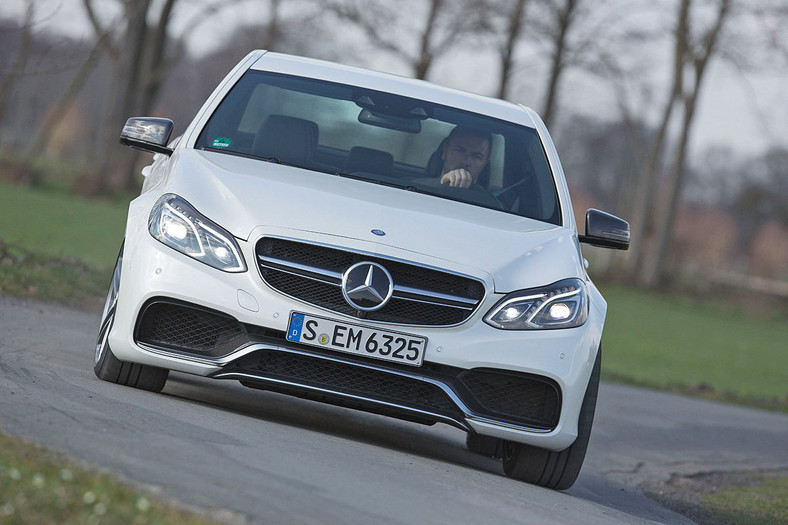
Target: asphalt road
(276, 459)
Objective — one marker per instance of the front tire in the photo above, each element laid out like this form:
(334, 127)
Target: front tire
(556, 470)
(109, 368)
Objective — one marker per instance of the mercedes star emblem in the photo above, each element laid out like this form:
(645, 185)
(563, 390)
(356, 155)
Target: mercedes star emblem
(367, 286)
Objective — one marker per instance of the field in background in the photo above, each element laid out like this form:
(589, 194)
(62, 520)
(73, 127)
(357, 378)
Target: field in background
(58, 247)
(716, 350)
(63, 226)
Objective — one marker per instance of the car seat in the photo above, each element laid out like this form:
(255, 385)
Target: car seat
(290, 139)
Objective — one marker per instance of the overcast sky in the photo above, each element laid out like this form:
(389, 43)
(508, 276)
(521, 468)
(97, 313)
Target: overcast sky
(746, 114)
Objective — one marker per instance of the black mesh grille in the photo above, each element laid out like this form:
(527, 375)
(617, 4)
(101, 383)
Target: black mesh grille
(496, 394)
(308, 290)
(346, 378)
(514, 397)
(186, 328)
(398, 310)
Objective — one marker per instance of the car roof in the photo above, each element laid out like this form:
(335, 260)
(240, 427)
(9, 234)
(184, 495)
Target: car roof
(387, 82)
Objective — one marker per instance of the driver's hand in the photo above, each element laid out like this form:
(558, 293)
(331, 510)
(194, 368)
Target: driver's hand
(459, 178)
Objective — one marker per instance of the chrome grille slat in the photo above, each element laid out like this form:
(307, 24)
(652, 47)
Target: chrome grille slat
(434, 295)
(405, 298)
(422, 295)
(291, 267)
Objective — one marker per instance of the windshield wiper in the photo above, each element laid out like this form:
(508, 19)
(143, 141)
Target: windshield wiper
(273, 160)
(408, 187)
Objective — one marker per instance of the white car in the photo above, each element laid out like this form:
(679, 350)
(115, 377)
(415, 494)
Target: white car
(371, 241)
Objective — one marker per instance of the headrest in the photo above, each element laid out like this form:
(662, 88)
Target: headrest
(369, 160)
(289, 139)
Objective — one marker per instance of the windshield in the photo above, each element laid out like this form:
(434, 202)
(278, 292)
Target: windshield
(386, 139)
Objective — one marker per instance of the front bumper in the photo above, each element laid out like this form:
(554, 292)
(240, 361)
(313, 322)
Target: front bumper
(525, 387)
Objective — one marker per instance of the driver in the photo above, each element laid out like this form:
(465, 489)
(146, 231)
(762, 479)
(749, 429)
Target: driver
(465, 154)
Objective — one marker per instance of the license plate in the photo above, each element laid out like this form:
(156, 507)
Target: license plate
(356, 339)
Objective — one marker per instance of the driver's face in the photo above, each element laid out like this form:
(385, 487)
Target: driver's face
(466, 152)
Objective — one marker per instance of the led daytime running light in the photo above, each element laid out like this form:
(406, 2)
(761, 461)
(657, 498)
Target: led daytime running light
(551, 297)
(175, 223)
(563, 304)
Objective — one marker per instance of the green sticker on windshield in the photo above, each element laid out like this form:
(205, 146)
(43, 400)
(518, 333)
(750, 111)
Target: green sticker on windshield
(222, 142)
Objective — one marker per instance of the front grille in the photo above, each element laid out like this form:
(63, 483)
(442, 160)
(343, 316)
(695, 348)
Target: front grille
(348, 379)
(313, 274)
(181, 327)
(514, 397)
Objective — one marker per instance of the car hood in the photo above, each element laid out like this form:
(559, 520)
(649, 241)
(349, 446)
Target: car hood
(244, 195)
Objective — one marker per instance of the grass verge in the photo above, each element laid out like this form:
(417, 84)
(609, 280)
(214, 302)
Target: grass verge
(36, 486)
(62, 226)
(726, 498)
(760, 502)
(62, 280)
(710, 350)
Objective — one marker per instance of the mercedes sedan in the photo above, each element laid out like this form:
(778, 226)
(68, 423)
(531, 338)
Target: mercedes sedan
(370, 241)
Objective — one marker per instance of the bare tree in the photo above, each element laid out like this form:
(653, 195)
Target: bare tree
(139, 61)
(697, 52)
(48, 126)
(506, 22)
(570, 34)
(273, 29)
(644, 196)
(439, 26)
(148, 54)
(563, 14)
(20, 58)
(702, 31)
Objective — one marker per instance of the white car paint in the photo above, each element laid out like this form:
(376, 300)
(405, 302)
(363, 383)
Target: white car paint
(252, 199)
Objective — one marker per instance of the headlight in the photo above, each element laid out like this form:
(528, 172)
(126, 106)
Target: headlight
(174, 222)
(560, 305)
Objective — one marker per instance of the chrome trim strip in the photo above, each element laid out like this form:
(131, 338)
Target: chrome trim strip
(246, 350)
(373, 366)
(487, 288)
(510, 426)
(423, 301)
(276, 264)
(209, 361)
(436, 295)
(304, 274)
(330, 276)
(431, 415)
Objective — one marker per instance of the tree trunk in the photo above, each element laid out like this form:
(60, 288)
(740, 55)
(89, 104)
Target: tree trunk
(128, 69)
(654, 272)
(564, 19)
(154, 60)
(422, 64)
(135, 77)
(54, 117)
(20, 60)
(272, 31)
(645, 193)
(513, 32)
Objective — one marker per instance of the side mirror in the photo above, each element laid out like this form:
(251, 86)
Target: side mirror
(605, 230)
(148, 134)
